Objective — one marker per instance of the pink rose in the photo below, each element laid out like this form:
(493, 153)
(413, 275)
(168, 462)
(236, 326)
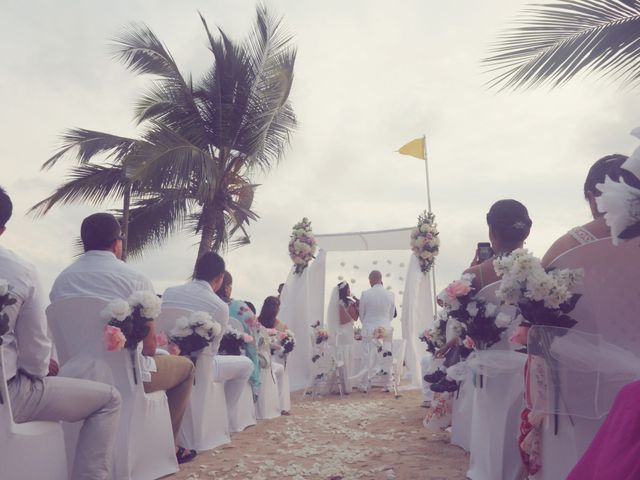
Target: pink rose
(520, 335)
(173, 349)
(247, 338)
(161, 339)
(271, 331)
(114, 339)
(468, 342)
(252, 321)
(457, 288)
(282, 335)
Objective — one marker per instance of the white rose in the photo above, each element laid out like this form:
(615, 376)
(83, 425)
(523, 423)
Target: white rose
(472, 309)
(199, 318)
(503, 320)
(424, 228)
(4, 287)
(118, 309)
(490, 309)
(181, 328)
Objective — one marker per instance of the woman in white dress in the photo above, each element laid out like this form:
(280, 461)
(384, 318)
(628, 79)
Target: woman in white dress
(341, 315)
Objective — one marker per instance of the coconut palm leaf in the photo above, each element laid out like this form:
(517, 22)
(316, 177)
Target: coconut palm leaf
(86, 144)
(550, 44)
(89, 183)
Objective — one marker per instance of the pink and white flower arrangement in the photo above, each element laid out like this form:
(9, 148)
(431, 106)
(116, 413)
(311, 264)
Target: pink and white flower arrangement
(5, 300)
(302, 246)
(192, 334)
(114, 339)
(233, 342)
(131, 317)
(425, 242)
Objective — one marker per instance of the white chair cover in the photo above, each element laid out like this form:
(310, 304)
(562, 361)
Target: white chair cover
(245, 412)
(205, 424)
(144, 448)
(268, 404)
(497, 403)
(31, 449)
(609, 307)
(327, 372)
(462, 413)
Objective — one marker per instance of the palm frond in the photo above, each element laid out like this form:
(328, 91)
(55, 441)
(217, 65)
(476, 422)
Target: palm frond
(550, 44)
(86, 144)
(88, 183)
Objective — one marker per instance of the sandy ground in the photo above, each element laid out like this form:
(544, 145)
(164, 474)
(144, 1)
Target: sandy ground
(373, 437)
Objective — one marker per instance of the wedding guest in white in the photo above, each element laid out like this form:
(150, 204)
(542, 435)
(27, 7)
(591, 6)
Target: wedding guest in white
(377, 307)
(198, 295)
(268, 318)
(99, 273)
(36, 396)
(609, 166)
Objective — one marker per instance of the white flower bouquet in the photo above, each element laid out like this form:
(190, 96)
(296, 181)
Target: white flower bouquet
(302, 246)
(233, 342)
(194, 333)
(425, 242)
(5, 300)
(128, 320)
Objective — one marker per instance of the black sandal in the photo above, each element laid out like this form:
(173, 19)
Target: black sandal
(182, 458)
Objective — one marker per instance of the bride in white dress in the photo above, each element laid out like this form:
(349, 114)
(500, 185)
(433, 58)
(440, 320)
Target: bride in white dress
(341, 315)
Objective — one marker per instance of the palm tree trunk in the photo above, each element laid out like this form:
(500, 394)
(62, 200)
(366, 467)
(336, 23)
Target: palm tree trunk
(125, 220)
(208, 229)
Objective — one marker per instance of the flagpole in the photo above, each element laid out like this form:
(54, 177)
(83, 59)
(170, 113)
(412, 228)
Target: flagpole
(433, 267)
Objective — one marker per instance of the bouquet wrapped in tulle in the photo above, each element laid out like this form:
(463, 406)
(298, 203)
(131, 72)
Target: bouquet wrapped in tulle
(194, 333)
(128, 320)
(233, 342)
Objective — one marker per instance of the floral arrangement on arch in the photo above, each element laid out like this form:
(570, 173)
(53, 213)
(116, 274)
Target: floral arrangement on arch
(425, 242)
(192, 334)
(302, 246)
(233, 342)
(128, 320)
(5, 300)
(542, 297)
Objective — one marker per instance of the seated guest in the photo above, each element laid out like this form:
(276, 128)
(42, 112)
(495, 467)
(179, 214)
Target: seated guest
(268, 318)
(99, 273)
(245, 313)
(34, 395)
(198, 295)
(608, 166)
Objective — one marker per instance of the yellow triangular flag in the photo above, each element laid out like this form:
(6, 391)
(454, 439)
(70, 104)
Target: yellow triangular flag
(415, 148)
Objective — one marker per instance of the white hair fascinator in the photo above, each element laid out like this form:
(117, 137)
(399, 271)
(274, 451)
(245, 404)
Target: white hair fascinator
(620, 202)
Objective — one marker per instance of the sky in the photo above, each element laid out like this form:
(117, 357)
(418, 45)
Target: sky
(370, 76)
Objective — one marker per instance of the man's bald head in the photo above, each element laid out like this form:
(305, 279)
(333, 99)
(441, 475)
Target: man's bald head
(375, 277)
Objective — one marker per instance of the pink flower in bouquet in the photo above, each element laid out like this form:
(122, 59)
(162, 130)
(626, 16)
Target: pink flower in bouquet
(457, 288)
(252, 321)
(520, 335)
(282, 335)
(427, 334)
(468, 342)
(114, 339)
(161, 339)
(271, 331)
(173, 349)
(247, 338)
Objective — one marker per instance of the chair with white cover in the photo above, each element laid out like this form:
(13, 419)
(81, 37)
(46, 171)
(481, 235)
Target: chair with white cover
(497, 402)
(608, 308)
(382, 367)
(205, 424)
(144, 447)
(462, 413)
(245, 410)
(268, 404)
(19, 442)
(327, 368)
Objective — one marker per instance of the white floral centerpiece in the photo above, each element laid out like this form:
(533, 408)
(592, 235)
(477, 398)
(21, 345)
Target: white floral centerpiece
(425, 242)
(128, 320)
(5, 300)
(302, 246)
(192, 334)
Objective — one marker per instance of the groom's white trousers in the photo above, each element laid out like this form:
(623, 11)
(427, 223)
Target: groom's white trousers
(72, 400)
(234, 371)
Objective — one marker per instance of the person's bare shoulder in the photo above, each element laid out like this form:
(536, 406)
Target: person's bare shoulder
(557, 248)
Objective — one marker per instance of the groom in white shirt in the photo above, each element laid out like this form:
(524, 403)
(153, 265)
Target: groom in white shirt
(377, 306)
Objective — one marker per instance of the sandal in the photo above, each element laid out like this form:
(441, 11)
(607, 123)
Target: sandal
(184, 456)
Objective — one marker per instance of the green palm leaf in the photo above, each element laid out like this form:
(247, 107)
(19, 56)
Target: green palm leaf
(552, 43)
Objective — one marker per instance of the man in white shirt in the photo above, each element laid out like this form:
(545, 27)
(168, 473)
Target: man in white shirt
(36, 396)
(99, 273)
(376, 305)
(198, 295)
(376, 309)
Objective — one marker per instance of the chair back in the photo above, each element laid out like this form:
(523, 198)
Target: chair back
(77, 328)
(237, 324)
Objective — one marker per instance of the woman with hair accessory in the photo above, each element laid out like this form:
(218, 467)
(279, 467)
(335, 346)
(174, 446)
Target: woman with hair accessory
(609, 166)
(342, 312)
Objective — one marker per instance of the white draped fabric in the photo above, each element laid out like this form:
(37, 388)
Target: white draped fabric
(417, 316)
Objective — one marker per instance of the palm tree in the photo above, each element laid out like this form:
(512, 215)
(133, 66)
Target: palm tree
(200, 144)
(552, 43)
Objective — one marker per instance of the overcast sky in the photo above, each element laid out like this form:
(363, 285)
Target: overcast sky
(370, 76)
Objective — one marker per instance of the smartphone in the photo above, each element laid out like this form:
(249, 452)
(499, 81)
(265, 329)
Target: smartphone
(484, 251)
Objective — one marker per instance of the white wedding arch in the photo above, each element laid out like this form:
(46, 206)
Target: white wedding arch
(303, 298)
